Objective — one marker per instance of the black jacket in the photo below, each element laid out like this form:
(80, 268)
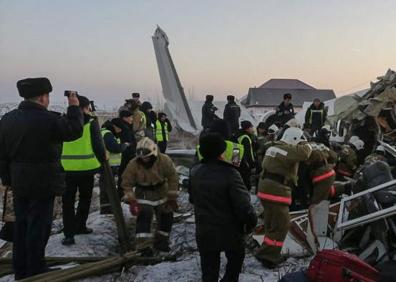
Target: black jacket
(31, 140)
(315, 117)
(208, 114)
(222, 206)
(284, 113)
(231, 115)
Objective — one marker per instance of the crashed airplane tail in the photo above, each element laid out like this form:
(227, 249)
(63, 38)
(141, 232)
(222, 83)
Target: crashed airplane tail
(176, 103)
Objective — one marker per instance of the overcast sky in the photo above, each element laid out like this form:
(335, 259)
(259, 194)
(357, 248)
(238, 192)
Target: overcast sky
(104, 49)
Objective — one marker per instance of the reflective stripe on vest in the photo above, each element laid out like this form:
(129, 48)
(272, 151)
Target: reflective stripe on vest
(323, 176)
(114, 158)
(78, 155)
(233, 153)
(344, 172)
(240, 140)
(316, 111)
(272, 243)
(274, 198)
(159, 137)
(333, 191)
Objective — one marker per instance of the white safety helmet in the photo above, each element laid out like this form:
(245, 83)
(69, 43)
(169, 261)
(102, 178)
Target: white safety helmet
(273, 129)
(293, 136)
(353, 139)
(357, 143)
(293, 123)
(381, 149)
(326, 127)
(146, 148)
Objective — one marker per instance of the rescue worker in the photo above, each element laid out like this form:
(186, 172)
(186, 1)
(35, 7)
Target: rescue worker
(139, 121)
(265, 142)
(150, 184)
(222, 208)
(347, 158)
(150, 118)
(81, 160)
(231, 114)
(323, 136)
(136, 97)
(378, 155)
(315, 116)
(285, 110)
(208, 112)
(111, 132)
(234, 152)
(31, 140)
(280, 168)
(248, 163)
(162, 129)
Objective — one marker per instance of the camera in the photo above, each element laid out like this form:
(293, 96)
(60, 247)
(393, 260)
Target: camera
(68, 92)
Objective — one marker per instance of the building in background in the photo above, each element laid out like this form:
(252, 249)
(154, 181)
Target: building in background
(266, 97)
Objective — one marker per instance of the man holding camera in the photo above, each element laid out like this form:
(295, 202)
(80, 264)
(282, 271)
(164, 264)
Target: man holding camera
(81, 159)
(31, 140)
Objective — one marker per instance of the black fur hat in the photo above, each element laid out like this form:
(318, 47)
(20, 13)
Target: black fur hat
(33, 87)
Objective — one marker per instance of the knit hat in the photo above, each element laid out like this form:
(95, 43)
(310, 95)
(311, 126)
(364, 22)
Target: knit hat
(221, 127)
(211, 145)
(33, 87)
(125, 113)
(84, 101)
(230, 98)
(246, 124)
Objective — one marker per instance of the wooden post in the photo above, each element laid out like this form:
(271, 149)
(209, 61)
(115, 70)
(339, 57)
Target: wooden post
(115, 203)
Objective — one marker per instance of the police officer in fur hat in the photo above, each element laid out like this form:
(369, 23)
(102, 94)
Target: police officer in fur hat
(31, 140)
(231, 115)
(208, 112)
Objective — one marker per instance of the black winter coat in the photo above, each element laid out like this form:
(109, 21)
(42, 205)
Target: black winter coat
(208, 114)
(31, 140)
(222, 206)
(284, 113)
(231, 115)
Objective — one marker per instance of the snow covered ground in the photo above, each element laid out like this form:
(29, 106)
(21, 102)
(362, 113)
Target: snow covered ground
(103, 242)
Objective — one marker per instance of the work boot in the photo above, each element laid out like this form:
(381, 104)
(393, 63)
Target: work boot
(84, 230)
(147, 252)
(162, 246)
(68, 241)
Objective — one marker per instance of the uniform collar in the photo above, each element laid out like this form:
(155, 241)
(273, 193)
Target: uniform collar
(29, 105)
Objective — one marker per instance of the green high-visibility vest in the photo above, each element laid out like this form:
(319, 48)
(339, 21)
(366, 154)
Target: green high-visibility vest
(158, 132)
(114, 158)
(240, 140)
(78, 155)
(233, 153)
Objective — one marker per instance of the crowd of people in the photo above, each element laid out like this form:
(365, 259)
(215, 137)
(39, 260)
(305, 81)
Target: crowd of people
(45, 154)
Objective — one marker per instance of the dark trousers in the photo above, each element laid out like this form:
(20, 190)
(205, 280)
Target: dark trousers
(210, 265)
(33, 220)
(143, 225)
(162, 146)
(76, 220)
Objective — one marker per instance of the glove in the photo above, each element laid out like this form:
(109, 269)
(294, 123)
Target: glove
(134, 208)
(171, 205)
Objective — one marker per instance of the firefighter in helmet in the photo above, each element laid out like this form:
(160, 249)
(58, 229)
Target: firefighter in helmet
(279, 174)
(150, 184)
